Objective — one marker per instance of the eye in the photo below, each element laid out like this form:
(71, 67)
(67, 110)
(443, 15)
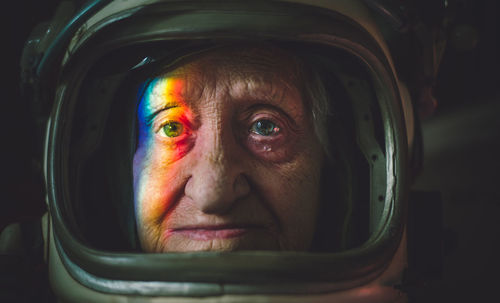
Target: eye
(265, 128)
(172, 129)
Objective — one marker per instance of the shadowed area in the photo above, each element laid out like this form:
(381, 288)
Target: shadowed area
(461, 160)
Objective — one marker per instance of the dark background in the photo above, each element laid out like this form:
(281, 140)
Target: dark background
(461, 144)
(462, 160)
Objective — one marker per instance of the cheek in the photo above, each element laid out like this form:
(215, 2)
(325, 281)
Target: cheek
(154, 179)
(273, 150)
(298, 179)
(292, 190)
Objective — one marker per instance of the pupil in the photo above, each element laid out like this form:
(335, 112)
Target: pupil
(172, 129)
(265, 127)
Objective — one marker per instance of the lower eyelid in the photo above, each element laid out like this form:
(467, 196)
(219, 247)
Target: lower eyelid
(269, 150)
(275, 140)
(181, 143)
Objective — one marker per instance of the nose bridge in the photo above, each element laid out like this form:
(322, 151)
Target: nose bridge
(217, 177)
(218, 137)
(220, 152)
(214, 160)
(216, 145)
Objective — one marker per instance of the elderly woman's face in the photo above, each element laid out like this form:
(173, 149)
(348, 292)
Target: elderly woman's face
(227, 158)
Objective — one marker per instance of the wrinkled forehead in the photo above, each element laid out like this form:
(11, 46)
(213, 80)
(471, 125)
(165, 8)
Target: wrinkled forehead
(264, 68)
(257, 63)
(238, 73)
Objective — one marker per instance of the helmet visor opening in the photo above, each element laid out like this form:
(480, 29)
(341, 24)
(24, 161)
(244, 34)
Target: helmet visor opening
(105, 135)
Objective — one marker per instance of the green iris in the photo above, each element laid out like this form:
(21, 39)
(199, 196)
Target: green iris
(172, 129)
(264, 128)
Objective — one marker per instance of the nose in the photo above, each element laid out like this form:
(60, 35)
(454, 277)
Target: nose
(217, 178)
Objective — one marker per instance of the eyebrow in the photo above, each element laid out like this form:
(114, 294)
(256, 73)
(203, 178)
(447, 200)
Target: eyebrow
(149, 118)
(149, 108)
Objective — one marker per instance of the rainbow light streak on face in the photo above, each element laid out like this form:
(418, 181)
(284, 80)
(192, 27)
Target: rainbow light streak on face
(161, 109)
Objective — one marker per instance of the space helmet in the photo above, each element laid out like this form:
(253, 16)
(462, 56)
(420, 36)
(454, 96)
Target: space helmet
(88, 75)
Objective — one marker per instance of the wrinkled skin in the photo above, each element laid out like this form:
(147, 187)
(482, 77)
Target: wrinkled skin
(227, 158)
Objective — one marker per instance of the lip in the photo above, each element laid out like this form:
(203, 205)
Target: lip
(211, 232)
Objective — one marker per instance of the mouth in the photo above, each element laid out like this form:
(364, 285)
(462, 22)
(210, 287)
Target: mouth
(210, 232)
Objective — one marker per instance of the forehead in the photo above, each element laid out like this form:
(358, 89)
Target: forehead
(254, 62)
(241, 74)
